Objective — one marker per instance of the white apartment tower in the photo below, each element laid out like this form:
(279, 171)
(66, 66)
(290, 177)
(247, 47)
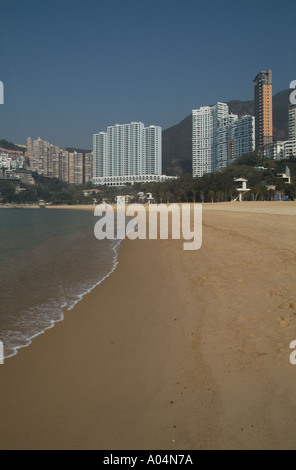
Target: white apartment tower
(219, 137)
(127, 150)
(241, 137)
(99, 154)
(222, 139)
(292, 122)
(205, 121)
(152, 142)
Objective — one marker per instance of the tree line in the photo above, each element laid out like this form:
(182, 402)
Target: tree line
(262, 175)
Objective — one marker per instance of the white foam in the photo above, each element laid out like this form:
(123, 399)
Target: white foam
(12, 350)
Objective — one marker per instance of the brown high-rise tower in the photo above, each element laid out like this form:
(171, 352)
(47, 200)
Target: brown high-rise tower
(263, 109)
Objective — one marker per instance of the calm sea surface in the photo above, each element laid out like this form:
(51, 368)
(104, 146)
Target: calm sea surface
(48, 259)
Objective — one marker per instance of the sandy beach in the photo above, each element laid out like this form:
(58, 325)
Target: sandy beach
(175, 350)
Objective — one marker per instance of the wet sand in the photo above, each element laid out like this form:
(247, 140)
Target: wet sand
(175, 350)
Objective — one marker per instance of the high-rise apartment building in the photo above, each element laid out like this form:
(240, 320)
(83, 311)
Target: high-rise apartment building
(205, 122)
(64, 165)
(127, 152)
(75, 168)
(263, 109)
(209, 138)
(124, 149)
(88, 167)
(202, 141)
(292, 122)
(30, 152)
(152, 141)
(54, 162)
(241, 137)
(40, 156)
(218, 138)
(222, 141)
(100, 154)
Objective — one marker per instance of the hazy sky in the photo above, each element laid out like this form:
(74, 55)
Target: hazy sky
(71, 68)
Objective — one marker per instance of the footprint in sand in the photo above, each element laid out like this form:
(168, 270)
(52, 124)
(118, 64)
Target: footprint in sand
(272, 293)
(286, 320)
(283, 321)
(288, 306)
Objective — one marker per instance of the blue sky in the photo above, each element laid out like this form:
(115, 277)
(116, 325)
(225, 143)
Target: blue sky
(71, 68)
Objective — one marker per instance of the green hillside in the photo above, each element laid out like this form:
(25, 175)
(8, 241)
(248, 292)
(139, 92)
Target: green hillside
(10, 146)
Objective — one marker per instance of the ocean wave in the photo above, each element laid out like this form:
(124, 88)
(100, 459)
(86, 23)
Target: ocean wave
(36, 320)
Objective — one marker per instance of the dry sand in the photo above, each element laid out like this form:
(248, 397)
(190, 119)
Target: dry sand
(175, 350)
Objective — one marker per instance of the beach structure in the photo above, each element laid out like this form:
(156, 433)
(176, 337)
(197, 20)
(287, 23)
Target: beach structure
(286, 176)
(242, 189)
(123, 199)
(150, 198)
(145, 197)
(120, 199)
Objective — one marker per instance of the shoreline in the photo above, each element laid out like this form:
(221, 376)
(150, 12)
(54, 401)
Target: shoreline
(64, 308)
(156, 358)
(19, 206)
(235, 205)
(231, 205)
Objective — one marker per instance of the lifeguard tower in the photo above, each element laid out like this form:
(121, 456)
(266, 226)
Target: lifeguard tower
(243, 189)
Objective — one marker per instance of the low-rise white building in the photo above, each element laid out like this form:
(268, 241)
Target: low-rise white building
(130, 179)
(10, 162)
(290, 148)
(279, 150)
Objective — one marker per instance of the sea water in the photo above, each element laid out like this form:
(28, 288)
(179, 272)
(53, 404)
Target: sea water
(49, 259)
